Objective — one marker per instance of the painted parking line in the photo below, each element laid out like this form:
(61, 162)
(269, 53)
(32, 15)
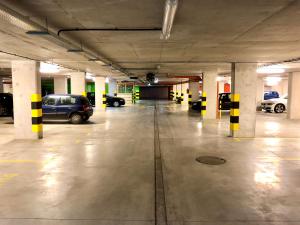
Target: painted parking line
(4, 178)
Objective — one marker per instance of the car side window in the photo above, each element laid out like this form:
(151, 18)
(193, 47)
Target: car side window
(49, 101)
(67, 100)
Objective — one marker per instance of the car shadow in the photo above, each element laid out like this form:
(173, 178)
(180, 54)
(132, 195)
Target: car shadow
(67, 122)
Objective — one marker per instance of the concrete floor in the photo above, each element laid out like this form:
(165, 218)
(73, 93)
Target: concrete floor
(103, 172)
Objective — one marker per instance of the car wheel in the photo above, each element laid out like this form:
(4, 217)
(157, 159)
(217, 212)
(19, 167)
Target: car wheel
(279, 108)
(76, 118)
(86, 118)
(116, 104)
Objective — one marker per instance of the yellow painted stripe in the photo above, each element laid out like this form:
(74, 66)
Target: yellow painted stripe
(203, 94)
(234, 112)
(36, 113)
(37, 128)
(36, 98)
(235, 97)
(204, 103)
(84, 94)
(203, 112)
(234, 126)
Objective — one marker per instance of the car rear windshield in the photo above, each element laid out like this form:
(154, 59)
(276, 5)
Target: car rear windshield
(84, 101)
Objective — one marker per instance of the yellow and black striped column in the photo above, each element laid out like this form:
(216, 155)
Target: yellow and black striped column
(103, 100)
(181, 98)
(190, 98)
(235, 112)
(171, 95)
(176, 98)
(203, 104)
(37, 114)
(137, 95)
(84, 94)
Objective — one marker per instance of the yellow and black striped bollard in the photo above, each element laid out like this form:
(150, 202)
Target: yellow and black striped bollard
(176, 97)
(203, 104)
(103, 100)
(235, 112)
(37, 114)
(133, 97)
(171, 95)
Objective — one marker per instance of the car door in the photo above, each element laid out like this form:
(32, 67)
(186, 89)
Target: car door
(49, 107)
(65, 106)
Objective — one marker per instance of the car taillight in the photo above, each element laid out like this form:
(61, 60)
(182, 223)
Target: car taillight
(86, 108)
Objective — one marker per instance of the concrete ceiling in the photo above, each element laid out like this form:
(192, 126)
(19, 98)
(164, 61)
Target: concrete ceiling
(206, 34)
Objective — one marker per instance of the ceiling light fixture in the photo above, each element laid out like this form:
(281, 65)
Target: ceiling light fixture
(273, 81)
(169, 15)
(271, 69)
(49, 68)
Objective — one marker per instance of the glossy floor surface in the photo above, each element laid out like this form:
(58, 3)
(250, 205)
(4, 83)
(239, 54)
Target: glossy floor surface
(103, 172)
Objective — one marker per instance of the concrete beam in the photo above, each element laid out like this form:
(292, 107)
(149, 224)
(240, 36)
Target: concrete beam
(244, 81)
(26, 83)
(78, 83)
(293, 96)
(60, 85)
(210, 88)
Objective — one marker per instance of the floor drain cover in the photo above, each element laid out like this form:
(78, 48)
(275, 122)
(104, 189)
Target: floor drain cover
(210, 160)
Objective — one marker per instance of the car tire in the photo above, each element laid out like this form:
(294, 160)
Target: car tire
(86, 118)
(116, 104)
(279, 108)
(76, 118)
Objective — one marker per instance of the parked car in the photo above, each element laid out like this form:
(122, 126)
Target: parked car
(114, 101)
(75, 108)
(225, 100)
(223, 97)
(6, 104)
(270, 95)
(277, 105)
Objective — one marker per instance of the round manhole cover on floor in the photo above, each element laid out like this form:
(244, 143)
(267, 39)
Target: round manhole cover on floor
(210, 160)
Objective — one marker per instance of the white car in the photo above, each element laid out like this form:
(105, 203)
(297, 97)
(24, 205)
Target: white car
(277, 105)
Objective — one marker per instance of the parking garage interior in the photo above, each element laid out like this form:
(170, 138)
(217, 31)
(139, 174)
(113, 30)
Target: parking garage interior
(149, 112)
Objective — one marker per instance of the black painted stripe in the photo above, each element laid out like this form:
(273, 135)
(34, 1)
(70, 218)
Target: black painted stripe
(234, 119)
(235, 105)
(36, 105)
(203, 99)
(104, 102)
(37, 120)
(203, 107)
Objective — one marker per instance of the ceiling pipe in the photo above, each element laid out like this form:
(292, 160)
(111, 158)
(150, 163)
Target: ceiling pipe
(169, 16)
(108, 29)
(25, 23)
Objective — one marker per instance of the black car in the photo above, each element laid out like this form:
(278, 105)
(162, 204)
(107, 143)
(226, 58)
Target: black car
(114, 101)
(224, 102)
(75, 108)
(6, 104)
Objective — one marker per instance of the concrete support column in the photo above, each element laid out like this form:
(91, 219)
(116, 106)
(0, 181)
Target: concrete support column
(244, 81)
(194, 89)
(99, 89)
(210, 88)
(1, 86)
(293, 96)
(27, 99)
(260, 90)
(60, 85)
(112, 87)
(78, 83)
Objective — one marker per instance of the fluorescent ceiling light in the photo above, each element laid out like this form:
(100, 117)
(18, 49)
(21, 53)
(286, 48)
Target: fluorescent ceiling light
(155, 80)
(272, 81)
(169, 15)
(7, 15)
(107, 80)
(49, 68)
(272, 69)
(88, 75)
